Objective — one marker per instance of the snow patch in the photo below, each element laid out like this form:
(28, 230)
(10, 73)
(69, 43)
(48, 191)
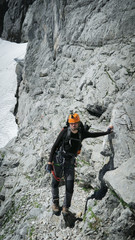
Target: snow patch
(8, 84)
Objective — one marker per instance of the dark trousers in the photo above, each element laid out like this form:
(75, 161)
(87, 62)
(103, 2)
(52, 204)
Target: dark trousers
(68, 172)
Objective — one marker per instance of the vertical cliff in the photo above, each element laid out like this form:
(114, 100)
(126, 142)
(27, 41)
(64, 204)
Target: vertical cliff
(12, 15)
(80, 56)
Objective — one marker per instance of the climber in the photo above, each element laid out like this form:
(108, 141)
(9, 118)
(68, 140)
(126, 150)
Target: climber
(62, 159)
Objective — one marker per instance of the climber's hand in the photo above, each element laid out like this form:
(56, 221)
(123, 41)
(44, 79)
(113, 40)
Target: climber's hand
(110, 129)
(49, 167)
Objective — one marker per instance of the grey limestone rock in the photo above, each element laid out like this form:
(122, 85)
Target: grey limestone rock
(13, 19)
(81, 57)
(121, 180)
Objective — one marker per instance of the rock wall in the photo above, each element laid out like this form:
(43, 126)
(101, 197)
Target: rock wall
(80, 56)
(68, 66)
(12, 16)
(3, 9)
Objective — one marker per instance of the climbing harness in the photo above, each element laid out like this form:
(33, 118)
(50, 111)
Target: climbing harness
(57, 178)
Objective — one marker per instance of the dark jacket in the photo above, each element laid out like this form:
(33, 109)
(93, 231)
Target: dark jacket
(73, 144)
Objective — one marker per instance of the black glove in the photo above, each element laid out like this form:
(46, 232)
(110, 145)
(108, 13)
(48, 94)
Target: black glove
(110, 129)
(49, 168)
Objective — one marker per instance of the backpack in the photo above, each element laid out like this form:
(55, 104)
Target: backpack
(67, 137)
(61, 154)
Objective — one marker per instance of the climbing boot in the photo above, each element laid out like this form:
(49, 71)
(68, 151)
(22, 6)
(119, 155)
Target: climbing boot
(56, 209)
(65, 211)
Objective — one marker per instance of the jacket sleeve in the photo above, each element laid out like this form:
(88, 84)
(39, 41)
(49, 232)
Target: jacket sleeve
(94, 134)
(56, 144)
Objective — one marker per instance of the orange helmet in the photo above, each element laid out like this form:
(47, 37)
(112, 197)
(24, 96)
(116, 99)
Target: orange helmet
(73, 118)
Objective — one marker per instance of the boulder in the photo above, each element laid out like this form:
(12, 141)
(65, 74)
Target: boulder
(122, 181)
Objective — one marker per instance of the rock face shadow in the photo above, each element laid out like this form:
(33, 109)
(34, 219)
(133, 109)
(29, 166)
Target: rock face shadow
(100, 193)
(70, 219)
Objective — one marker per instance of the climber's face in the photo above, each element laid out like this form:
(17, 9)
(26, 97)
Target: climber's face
(74, 127)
